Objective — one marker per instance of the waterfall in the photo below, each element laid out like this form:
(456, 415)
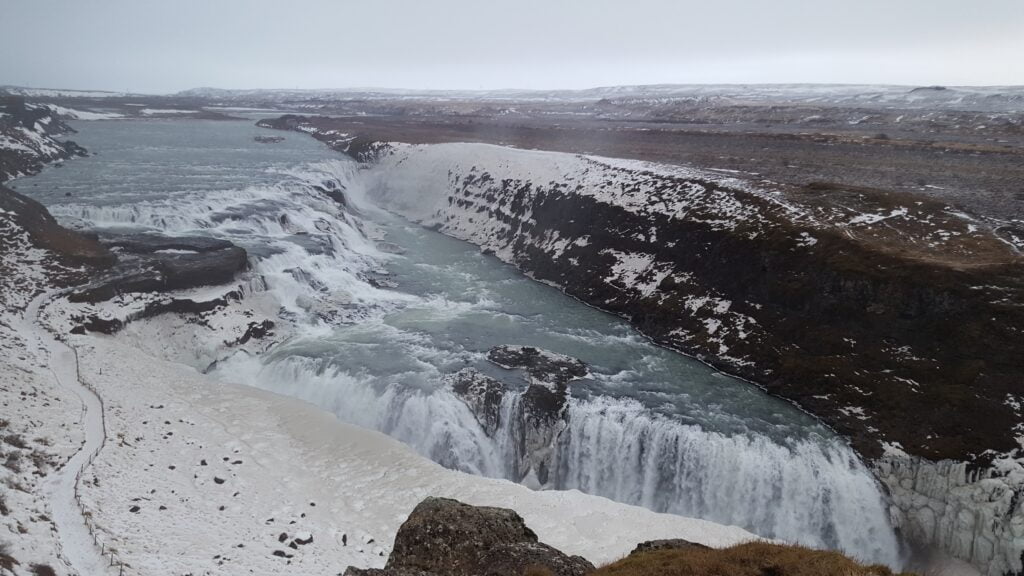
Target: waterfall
(313, 256)
(811, 491)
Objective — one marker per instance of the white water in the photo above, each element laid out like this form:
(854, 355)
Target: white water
(648, 427)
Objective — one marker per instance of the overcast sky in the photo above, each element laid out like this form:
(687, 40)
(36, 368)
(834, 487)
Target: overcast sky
(165, 46)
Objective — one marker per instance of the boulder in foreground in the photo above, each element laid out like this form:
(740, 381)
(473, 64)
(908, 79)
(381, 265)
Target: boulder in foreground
(444, 537)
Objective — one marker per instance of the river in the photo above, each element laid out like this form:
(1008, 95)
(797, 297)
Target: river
(385, 309)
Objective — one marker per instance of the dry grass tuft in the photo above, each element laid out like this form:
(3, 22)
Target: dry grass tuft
(751, 559)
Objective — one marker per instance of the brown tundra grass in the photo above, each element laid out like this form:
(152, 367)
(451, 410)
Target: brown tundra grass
(750, 559)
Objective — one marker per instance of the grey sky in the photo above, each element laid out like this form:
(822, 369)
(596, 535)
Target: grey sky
(163, 46)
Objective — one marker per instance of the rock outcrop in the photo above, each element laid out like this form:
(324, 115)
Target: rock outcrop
(155, 263)
(482, 394)
(445, 537)
(29, 138)
(542, 366)
(670, 544)
(73, 248)
(533, 418)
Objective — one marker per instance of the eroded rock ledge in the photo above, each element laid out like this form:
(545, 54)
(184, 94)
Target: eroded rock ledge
(535, 418)
(104, 266)
(30, 138)
(156, 263)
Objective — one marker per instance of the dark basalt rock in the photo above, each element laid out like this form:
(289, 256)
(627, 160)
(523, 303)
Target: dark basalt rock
(333, 190)
(185, 306)
(97, 324)
(268, 139)
(539, 417)
(42, 147)
(151, 243)
(336, 195)
(541, 365)
(359, 148)
(143, 267)
(672, 544)
(445, 537)
(72, 247)
(482, 394)
(256, 331)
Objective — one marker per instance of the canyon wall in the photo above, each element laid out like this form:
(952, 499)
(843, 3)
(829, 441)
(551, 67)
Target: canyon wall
(30, 138)
(916, 359)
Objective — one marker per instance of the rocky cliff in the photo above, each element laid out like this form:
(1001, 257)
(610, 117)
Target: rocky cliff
(894, 318)
(534, 419)
(832, 307)
(30, 138)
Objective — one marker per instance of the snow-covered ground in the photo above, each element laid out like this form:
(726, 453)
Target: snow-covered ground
(41, 421)
(40, 429)
(211, 478)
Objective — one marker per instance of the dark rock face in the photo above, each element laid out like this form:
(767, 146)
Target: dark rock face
(359, 148)
(536, 418)
(97, 324)
(34, 128)
(74, 247)
(184, 306)
(333, 190)
(544, 366)
(154, 263)
(835, 326)
(542, 410)
(445, 537)
(482, 394)
(256, 331)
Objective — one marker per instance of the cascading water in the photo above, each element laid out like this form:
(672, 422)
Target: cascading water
(647, 426)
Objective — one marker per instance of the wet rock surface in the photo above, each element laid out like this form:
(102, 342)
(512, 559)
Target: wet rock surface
(482, 394)
(444, 537)
(154, 263)
(541, 365)
(533, 418)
